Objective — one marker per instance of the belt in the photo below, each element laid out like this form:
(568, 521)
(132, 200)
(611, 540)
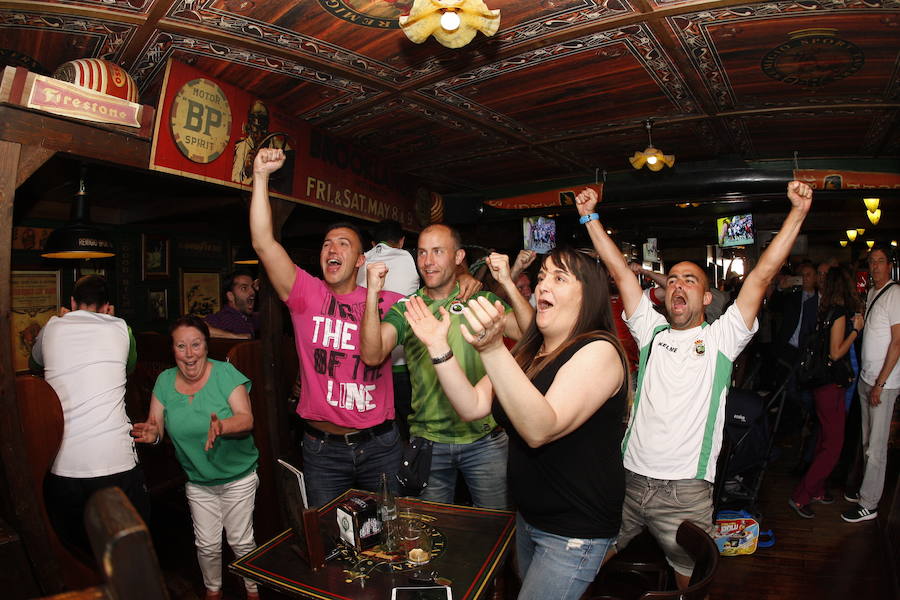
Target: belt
(354, 437)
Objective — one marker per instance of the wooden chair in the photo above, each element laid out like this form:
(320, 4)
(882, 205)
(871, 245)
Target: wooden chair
(639, 567)
(122, 546)
(41, 417)
(705, 553)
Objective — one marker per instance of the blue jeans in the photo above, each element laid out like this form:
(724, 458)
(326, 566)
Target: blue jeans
(482, 464)
(553, 566)
(332, 467)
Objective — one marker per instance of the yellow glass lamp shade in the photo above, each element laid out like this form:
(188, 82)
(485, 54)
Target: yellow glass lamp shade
(871, 204)
(874, 216)
(860, 230)
(870, 243)
(851, 235)
(843, 243)
(453, 23)
(652, 158)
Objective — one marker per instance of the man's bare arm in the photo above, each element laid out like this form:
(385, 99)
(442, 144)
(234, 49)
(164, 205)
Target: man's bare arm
(272, 255)
(751, 295)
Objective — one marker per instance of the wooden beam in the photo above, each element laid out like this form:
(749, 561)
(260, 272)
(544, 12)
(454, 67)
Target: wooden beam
(31, 128)
(28, 520)
(30, 160)
(271, 327)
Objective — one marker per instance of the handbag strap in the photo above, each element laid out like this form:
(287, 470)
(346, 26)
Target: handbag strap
(880, 294)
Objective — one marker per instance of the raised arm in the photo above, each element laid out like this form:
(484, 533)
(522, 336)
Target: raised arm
(658, 278)
(751, 295)
(523, 313)
(470, 402)
(275, 259)
(838, 345)
(376, 339)
(626, 281)
(571, 398)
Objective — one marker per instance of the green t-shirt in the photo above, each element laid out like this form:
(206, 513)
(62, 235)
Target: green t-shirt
(187, 423)
(432, 415)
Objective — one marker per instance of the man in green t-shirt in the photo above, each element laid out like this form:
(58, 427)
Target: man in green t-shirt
(477, 449)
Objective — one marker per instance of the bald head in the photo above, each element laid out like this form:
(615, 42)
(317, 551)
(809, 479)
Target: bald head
(688, 266)
(447, 230)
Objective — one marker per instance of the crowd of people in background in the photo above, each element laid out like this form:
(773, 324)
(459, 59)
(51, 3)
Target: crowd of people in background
(590, 398)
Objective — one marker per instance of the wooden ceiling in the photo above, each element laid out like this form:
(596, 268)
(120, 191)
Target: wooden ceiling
(560, 91)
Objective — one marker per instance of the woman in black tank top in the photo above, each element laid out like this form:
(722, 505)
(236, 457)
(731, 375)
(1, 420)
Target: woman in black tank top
(561, 394)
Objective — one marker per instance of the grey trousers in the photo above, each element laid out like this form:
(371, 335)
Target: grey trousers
(876, 429)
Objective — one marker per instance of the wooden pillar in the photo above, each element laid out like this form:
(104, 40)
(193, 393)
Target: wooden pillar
(272, 326)
(25, 507)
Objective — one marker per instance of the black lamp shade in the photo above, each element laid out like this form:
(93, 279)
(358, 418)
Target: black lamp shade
(78, 240)
(245, 256)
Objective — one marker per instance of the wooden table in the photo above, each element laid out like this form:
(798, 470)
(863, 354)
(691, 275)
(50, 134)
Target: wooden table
(470, 546)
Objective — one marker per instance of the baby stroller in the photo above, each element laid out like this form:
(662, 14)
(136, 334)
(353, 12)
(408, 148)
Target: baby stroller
(747, 446)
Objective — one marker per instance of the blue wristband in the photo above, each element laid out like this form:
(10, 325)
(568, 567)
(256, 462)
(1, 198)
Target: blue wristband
(591, 217)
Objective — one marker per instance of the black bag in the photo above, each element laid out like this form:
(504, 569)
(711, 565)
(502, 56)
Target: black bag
(816, 367)
(415, 466)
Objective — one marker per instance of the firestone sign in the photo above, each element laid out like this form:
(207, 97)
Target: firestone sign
(61, 98)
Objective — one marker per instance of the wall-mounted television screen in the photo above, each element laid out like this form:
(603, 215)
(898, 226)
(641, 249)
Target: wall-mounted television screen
(735, 231)
(540, 234)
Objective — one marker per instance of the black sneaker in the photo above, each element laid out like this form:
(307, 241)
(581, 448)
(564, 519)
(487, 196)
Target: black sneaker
(825, 498)
(851, 496)
(804, 511)
(858, 513)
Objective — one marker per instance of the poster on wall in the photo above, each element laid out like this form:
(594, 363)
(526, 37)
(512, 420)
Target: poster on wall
(210, 130)
(35, 298)
(200, 293)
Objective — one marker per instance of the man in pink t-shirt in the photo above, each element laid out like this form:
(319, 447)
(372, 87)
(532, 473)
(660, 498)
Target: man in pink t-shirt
(348, 408)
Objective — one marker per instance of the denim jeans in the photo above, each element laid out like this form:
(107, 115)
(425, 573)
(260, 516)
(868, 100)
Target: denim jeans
(553, 566)
(332, 466)
(482, 464)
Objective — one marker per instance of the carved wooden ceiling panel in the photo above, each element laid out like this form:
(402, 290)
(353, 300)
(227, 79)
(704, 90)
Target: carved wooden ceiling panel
(562, 89)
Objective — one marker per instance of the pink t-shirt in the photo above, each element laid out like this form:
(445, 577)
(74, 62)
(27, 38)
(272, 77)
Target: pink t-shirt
(336, 385)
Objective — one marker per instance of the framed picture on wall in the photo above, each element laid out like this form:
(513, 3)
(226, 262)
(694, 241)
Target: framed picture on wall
(35, 298)
(154, 256)
(158, 304)
(200, 293)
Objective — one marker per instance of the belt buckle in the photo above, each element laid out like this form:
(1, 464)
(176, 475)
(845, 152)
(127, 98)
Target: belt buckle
(347, 436)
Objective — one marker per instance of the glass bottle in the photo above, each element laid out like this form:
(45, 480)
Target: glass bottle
(388, 507)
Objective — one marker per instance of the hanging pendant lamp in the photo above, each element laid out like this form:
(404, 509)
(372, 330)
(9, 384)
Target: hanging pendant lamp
(651, 157)
(78, 239)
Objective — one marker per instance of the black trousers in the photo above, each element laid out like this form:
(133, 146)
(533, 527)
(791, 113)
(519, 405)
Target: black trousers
(66, 498)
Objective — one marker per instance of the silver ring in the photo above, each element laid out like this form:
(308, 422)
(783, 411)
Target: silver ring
(482, 334)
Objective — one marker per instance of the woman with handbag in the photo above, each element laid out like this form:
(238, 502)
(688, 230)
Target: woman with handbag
(841, 321)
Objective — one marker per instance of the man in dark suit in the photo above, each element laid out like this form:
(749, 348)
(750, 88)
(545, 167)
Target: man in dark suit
(799, 310)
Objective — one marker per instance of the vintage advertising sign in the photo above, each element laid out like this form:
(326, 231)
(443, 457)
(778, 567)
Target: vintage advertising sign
(549, 198)
(819, 179)
(197, 112)
(68, 100)
(35, 298)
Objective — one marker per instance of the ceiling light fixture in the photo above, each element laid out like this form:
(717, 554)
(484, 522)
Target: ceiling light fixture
(851, 235)
(245, 256)
(652, 157)
(843, 243)
(874, 216)
(870, 243)
(871, 203)
(78, 238)
(860, 230)
(453, 23)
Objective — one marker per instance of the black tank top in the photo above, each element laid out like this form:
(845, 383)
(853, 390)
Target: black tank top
(574, 486)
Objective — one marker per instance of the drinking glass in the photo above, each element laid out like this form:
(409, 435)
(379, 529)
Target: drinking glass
(415, 540)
